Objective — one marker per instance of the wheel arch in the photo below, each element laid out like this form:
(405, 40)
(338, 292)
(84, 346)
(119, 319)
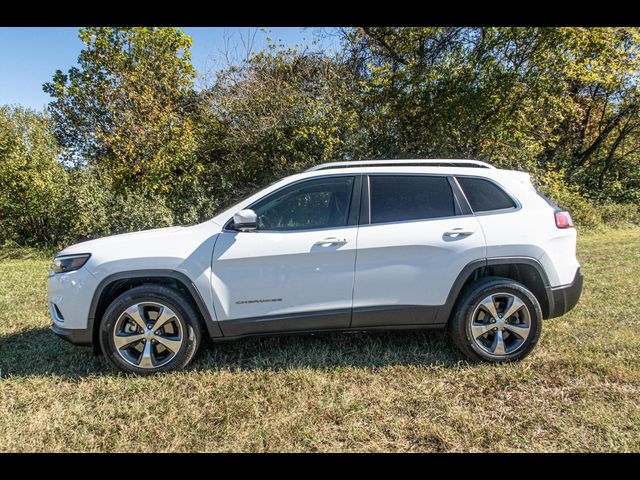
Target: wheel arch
(116, 284)
(525, 270)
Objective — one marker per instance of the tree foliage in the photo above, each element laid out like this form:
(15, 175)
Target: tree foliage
(129, 143)
(32, 182)
(518, 97)
(126, 108)
(42, 203)
(278, 113)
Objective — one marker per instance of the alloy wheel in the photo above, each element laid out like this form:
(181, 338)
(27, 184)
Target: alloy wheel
(500, 324)
(148, 335)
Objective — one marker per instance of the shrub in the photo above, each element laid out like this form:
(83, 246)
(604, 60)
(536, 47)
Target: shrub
(99, 211)
(43, 204)
(32, 182)
(617, 214)
(553, 185)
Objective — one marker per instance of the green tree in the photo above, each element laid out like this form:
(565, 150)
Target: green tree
(32, 182)
(279, 112)
(126, 108)
(518, 97)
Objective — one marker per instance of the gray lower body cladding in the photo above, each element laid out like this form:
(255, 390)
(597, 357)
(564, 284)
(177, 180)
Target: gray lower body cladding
(81, 336)
(393, 317)
(566, 297)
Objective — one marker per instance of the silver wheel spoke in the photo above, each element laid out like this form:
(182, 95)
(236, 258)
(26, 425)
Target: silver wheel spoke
(489, 305)
(139, 323)
(165, 315)
(479, 329)
(134, 312)
(497, 347)
(146, 359)
(172, 344)
(521, 331)
(493, 314)
(123, 340)
(512, 307)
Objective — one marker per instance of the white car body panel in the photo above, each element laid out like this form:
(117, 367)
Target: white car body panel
(186, 250)
(71, 293)
(257, 274)
(413, 263)
(529, 231)
(400, 263)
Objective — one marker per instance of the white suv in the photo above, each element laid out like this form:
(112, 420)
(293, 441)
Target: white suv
(341, 247)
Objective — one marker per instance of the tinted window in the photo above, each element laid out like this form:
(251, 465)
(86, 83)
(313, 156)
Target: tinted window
(484, 195)
(403, 197)
(319, 203)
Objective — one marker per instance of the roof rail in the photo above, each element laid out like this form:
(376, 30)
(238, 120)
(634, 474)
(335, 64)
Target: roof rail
(402, 163)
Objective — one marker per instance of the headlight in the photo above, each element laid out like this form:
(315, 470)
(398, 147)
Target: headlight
(68, 263)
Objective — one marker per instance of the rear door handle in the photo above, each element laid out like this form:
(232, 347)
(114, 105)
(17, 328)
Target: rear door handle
(458, 232)
(332, 241)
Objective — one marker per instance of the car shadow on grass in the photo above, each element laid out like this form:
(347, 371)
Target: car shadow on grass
(39, 352)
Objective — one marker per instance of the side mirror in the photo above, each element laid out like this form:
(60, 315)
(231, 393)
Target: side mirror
(245, 220)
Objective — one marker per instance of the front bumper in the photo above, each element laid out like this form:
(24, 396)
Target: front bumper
(75, 336)
(564, 298)
(69, 298)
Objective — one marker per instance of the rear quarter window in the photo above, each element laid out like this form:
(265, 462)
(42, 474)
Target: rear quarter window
(485, 196)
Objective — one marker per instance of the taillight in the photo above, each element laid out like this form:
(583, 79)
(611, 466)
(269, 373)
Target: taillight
(563, 220)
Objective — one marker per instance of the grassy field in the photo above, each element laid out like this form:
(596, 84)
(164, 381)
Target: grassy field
(578, 391)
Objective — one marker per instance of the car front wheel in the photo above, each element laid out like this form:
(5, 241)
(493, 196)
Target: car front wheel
(150, 329)
(496, 320)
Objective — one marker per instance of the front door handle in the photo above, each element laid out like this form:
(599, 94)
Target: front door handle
(332, 241)
(458, 232)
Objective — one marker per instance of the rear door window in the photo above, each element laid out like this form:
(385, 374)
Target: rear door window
(397, 198)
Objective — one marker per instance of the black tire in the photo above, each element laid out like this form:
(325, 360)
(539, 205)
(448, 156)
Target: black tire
(469, 301)
(185, 315)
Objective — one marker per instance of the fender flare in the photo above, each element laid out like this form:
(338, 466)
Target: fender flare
(212, 325)
(445, 311)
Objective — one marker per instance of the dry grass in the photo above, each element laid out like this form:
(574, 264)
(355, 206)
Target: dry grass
(578, 391)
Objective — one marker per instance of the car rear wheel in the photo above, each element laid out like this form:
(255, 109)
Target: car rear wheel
(496, 320)
(150, 329)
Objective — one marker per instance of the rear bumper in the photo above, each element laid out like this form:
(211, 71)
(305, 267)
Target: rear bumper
(79, 336)
(564, 298)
